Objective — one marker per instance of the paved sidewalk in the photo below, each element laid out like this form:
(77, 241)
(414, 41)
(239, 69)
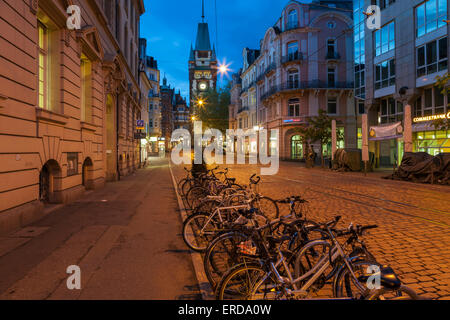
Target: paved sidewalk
(125, 237)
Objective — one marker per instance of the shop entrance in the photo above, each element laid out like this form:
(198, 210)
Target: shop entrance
(296, 147)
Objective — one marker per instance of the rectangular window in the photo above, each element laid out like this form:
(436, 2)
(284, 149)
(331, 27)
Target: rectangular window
(86, 89)
(385, 39)
(361, 109)
(390, 111)
(418, 107)
(294, 108)
(331, 48)
(385, 74)
(72, 163)
(432, 57)
(332, 106)
(43, 66)
(439, 101)
(428, 108)
(430, 16)
(293, 51)
(331, 77)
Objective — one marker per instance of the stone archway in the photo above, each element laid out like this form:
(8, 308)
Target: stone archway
(50, 182)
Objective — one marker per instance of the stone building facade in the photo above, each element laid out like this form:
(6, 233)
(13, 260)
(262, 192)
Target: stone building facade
(68, 102)
(304, 63)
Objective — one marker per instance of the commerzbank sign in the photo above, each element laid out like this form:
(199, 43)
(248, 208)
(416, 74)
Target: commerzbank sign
(431, 118)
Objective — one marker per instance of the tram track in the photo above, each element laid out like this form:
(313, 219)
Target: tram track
(434, 221)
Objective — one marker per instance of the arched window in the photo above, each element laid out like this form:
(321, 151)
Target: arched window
(292, 19)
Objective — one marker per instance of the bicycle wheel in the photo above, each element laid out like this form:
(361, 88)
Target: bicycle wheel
(222, 254)
(345, 285)
(402, 293)
(267, 207)
(187, 184)
(198, 230)
(247, 282)
(195, 195)
(309, 259)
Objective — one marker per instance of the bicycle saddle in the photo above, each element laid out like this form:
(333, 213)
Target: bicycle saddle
(389, 279)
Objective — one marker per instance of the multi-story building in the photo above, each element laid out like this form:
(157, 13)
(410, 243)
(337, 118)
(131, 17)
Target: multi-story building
(407, 54)
(154, 106)
(152, 100)
(235, 100)
(247, 113)
(305, 63)
(167, 105)
(181, 113)
(68, 101)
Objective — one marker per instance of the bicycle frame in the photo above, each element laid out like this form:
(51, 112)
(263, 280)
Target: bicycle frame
(217, 212)
(317, 271)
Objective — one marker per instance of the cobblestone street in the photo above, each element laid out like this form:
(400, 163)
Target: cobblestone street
(413, 219)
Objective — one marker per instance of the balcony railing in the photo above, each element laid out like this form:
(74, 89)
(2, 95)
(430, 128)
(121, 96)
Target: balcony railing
(297, 85)
(332, 55)
(297, 56)
(270, 68)
(245, 89)
(260, 77)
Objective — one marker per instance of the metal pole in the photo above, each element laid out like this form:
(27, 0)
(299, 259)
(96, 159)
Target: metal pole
(365, 142)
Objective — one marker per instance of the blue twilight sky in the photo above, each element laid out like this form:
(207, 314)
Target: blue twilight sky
(170, 27)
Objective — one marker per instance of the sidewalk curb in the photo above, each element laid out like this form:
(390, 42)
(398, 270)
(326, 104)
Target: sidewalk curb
(197, 260)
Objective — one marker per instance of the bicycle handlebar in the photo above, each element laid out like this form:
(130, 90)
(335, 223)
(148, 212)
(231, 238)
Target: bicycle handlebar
(253, 181)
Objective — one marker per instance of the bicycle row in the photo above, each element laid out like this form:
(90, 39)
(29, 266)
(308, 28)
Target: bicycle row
(250, 251)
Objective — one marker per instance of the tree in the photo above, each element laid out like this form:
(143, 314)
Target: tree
(319, 130)
(442, 83)
(213, 109)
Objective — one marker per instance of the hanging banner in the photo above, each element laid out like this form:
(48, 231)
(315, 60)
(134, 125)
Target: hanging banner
(386, 132)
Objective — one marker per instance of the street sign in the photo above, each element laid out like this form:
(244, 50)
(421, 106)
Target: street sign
(140, 125)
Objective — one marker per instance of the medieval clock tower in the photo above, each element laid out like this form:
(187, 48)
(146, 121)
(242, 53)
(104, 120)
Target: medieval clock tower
(202, 64)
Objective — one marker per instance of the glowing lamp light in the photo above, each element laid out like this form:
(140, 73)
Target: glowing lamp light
(223, 68)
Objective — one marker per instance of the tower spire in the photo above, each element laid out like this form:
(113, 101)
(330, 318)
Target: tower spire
(203, 10)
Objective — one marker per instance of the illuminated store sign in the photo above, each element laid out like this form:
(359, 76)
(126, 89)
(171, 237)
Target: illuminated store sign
(292, 120)
(431, 118)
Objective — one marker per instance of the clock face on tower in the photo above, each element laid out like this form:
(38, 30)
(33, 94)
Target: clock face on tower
(203, 85)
